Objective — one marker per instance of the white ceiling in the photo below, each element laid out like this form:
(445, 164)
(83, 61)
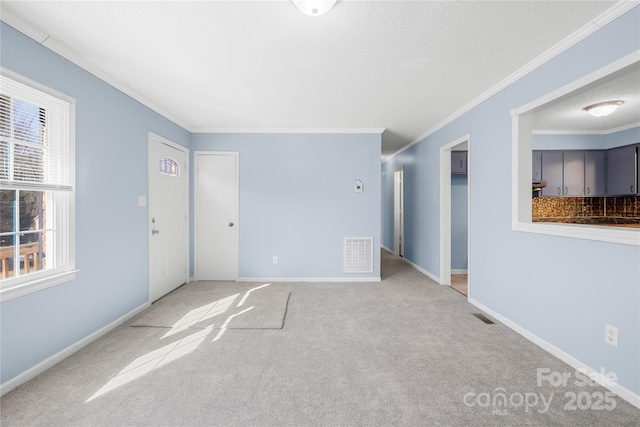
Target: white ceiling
(405, 66)
(567, 114)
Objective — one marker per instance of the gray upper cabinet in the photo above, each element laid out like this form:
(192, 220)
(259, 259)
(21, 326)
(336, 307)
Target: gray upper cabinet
(594, 173)
(552, 173)
(621, 171)
(573, 173)
(459, 162)
(537, 166)
(611, 172)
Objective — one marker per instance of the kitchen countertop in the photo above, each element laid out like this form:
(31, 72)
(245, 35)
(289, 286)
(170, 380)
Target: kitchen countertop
(598, 221)
(620, 225)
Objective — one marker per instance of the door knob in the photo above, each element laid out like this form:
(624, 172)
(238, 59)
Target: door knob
(154, 232)
(230, 224)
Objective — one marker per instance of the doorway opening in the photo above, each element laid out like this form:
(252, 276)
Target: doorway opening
(454, 214)
(398, 212)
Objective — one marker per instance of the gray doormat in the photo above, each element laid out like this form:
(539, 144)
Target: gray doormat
(220, 306)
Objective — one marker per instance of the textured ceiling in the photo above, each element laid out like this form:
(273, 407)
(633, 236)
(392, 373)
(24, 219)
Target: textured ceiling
(567, 112)
(263, 66)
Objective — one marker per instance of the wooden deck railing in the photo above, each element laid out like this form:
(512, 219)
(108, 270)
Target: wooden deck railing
(27, 249)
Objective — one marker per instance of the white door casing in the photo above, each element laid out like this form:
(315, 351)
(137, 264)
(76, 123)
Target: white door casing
(168, 216)
(216, 215)
(445, 208)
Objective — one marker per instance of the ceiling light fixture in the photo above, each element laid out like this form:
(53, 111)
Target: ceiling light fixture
(314, 7)
(602, 109)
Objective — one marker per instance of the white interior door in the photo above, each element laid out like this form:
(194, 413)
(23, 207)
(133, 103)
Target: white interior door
(216, 210)
(168, 206)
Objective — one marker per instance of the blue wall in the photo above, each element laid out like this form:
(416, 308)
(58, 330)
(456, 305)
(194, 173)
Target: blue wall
(297, 200)
(575, 286)
(111, 243)
(459, 221)
(582, 286)
(567, 142)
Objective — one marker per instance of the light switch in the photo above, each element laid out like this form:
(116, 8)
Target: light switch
(142, 201)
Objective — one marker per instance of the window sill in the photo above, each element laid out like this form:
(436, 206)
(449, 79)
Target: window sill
(601, 233)
(36, 284)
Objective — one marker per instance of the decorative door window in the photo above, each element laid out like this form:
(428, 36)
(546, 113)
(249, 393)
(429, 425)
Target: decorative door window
(168, 166)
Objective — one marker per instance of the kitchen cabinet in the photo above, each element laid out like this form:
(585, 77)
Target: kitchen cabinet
(573, 173)
(622, 171)
(594, 173)
(552, 173)
(537, 166)
(458, 162)
(611, 172)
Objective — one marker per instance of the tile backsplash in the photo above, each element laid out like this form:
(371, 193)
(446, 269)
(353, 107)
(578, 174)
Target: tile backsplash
(581, 209)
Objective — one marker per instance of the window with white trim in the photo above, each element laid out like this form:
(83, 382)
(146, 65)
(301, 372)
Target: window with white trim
(36, 187)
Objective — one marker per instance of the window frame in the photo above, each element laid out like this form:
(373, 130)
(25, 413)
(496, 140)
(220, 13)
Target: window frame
(63, 212)
(521, 151)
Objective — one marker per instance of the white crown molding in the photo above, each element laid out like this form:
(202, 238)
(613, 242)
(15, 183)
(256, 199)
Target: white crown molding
(587, 132)
(621, 128)
(293, 130)
(619, 9)
(66, 52)
(42, 38)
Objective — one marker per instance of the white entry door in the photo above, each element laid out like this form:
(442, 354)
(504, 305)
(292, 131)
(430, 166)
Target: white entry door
(216, 215)
(168, 201)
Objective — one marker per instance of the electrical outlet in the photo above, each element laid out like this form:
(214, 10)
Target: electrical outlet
(611, 335)
(275, 259)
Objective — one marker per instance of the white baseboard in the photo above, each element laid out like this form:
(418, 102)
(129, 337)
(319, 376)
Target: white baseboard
(423, 271)
(63, 354)
(387, 249)
(309, 279)
(621, 391)
(459, 271)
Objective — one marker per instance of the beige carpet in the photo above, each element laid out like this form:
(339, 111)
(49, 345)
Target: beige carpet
(403, 352)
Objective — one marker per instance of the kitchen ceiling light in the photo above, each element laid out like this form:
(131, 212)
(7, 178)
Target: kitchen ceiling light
(314, 7)
(602, 109)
